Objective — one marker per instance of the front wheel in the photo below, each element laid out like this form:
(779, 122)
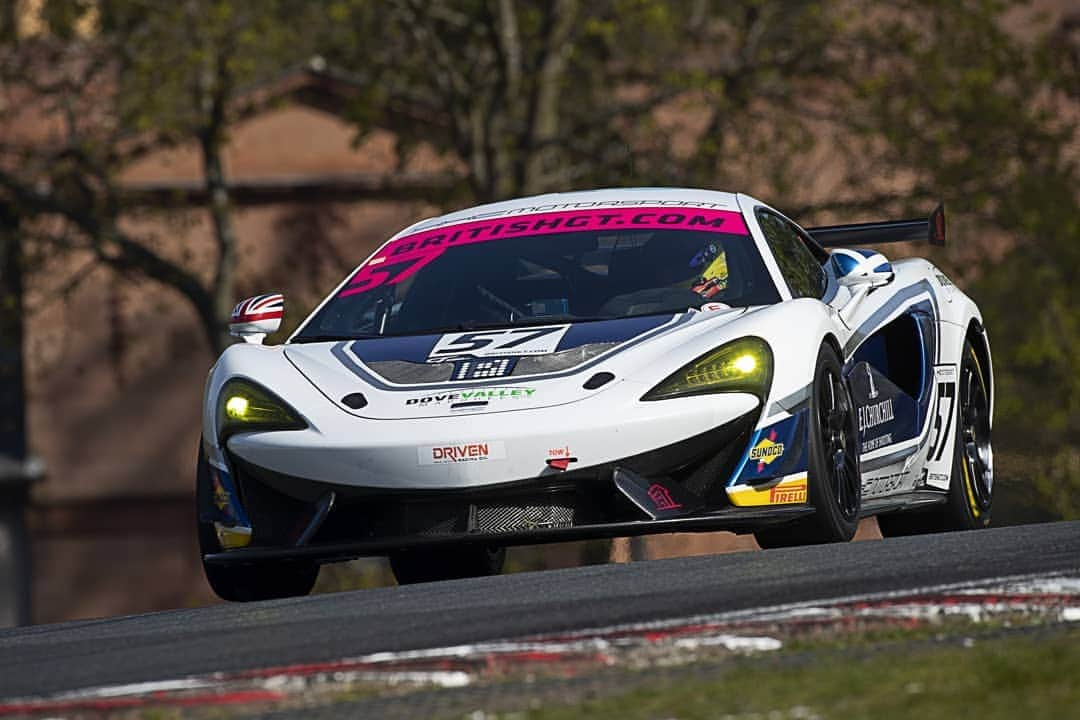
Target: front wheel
(834, 481)
(244, 583)
(419, 565)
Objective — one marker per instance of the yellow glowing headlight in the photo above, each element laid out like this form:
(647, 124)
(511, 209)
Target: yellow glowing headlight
(244, 406)
(236, 407)
(744, 365)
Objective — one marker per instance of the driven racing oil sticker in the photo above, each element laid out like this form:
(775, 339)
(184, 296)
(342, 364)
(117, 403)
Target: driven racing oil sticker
(465, 452)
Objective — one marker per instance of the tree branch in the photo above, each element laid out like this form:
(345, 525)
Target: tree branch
(542, 121)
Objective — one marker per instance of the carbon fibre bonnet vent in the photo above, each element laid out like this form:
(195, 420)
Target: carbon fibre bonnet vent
(598, 380)
(354, 400)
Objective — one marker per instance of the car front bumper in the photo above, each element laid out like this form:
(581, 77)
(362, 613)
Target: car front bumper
(400, 455)
(295, 517)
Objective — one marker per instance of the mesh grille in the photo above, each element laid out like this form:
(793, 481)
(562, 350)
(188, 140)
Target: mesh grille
(510, 518)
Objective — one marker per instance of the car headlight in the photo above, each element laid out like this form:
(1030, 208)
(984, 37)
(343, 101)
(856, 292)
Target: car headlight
(244, 406)
(743, 365)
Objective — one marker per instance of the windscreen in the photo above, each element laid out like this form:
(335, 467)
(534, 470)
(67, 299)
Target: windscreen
(544, 268)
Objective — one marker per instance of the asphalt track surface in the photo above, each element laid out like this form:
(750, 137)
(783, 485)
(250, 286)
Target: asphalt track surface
(47, 659)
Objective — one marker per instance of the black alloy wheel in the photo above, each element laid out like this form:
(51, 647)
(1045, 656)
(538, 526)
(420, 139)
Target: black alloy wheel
(834, 484)
(841, 442)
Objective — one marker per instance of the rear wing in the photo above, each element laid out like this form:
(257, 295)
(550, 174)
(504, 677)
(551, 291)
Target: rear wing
(931, 230)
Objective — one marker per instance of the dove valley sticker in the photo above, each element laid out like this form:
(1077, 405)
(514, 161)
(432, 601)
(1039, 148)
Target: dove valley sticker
(481, 394)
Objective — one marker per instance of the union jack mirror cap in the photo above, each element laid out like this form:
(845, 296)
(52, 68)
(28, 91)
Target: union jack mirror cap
(256, 317)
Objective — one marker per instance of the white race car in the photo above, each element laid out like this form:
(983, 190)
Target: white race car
(595, 364)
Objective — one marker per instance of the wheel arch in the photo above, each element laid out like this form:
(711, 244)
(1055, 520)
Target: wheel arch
(976, 335)
(831, 340)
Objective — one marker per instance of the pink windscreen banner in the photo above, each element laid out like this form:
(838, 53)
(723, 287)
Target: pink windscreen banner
(410, 253)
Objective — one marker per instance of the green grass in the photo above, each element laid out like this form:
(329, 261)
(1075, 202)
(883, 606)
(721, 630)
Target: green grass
(1027, 677)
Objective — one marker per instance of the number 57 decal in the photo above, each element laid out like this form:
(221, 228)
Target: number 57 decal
(499, 343)
(946, 402)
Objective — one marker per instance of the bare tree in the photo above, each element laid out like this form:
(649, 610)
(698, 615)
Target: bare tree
(84, 107)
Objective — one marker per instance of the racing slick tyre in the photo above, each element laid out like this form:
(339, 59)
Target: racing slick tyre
(431, 564)
(972, 480)
(245, 583)
(834, 483)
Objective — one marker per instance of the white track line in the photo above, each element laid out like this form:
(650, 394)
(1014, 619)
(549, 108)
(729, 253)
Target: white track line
(594, 640)
(809, 607)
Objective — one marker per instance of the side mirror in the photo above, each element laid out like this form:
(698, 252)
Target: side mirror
(858, 269)
(255, 318)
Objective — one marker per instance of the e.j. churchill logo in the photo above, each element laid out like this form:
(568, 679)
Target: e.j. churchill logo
(870, 416)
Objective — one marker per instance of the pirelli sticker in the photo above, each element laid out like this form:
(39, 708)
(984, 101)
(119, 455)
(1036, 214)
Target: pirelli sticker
(789, 491)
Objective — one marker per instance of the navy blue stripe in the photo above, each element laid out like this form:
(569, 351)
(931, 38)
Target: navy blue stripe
(410, 348)
(607, 331)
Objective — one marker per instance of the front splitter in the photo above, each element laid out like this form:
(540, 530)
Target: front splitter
(730, 519)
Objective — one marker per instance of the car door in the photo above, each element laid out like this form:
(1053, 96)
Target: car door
(889, 365)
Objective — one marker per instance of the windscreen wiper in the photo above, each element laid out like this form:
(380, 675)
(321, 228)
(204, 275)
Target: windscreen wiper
(331, 338)
(457, 327)
(499, 325)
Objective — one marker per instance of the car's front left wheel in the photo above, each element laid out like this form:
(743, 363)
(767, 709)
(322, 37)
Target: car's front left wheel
(247, 582)
(834, 482)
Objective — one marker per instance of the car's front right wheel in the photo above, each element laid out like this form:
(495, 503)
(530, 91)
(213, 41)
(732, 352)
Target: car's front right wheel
(245, 582)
